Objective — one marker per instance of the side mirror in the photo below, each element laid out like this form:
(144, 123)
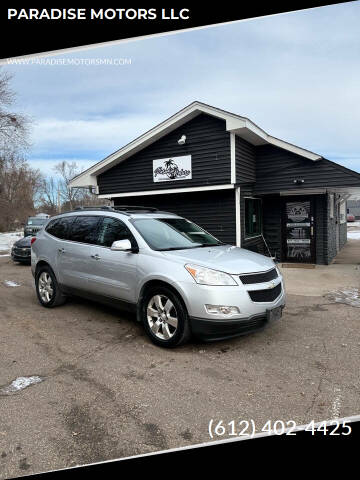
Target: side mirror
(122, 245)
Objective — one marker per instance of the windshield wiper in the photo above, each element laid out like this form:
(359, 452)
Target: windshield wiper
(177, 248)
(211, 244)
(200, 245)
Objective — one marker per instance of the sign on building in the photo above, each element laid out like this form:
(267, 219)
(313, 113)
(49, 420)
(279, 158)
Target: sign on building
(174, 168)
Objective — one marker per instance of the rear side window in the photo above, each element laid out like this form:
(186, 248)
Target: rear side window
(60, 227)
(84, 229)
(112, 230)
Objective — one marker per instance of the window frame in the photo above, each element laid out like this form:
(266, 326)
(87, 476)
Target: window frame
(135, 247)
(72, 224)
(52, 221)
(248, 235)
(100, 220)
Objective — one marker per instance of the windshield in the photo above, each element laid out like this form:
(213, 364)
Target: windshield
(173, 233)
(36, 221)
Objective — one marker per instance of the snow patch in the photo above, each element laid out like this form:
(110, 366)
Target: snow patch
(19, 384)
(355, 234)
(349, 296)
(353, 224)
(10, 283)
(7, 240)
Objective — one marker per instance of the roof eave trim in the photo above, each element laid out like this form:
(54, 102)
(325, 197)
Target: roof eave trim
(234, 123)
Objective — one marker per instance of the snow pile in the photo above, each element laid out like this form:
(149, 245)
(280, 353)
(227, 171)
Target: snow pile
(7, 240)
(19, 384)
(354, 234)
(10, 283)
(353, 224)
(349, 296)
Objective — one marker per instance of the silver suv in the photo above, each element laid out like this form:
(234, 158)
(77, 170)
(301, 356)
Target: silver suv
(179, 279)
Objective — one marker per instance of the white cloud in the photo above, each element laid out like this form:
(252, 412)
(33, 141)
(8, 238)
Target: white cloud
(97, 133)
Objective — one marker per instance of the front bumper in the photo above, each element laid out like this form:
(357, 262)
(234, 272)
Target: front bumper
(196, 296)
(16, 258)
(21, 256)
(215, 329)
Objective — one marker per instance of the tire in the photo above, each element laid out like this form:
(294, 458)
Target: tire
(159, 306)
(47, 288)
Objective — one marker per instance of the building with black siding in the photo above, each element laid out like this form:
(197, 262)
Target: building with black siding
(244, 186)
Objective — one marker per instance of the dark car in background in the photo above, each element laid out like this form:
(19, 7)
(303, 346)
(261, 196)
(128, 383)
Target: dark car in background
(34, 224)
(21, 250)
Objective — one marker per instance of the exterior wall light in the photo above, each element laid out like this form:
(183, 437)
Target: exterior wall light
(299, 181)
(182, 140)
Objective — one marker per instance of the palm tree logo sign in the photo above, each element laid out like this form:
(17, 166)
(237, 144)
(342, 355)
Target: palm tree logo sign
(171, 170)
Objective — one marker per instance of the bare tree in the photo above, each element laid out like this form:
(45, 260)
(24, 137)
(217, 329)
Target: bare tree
(19, 185)
(14, 127)
(47, 198)
(66, 172)
(18, 181)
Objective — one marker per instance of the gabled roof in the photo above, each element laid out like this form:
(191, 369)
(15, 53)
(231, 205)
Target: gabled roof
(241, 126)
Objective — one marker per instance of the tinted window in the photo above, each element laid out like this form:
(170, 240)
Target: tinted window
(84, 229)
(60, 227)
(112, 230)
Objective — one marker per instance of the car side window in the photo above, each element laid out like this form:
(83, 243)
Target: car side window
(60, 227)
(84, 229)
(111, 230)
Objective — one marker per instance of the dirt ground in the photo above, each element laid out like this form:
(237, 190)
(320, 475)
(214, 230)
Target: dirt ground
(107, 392)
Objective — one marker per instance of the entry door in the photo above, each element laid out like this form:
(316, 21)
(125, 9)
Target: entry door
(299, 238)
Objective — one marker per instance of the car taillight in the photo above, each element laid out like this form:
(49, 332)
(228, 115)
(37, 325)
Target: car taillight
(32, 240)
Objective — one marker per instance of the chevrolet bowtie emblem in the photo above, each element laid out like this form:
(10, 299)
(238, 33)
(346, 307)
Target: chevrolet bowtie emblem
(272, 285)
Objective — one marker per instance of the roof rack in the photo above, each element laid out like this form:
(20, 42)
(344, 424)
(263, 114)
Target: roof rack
(135, 207)
(124, 209)
(104, 207)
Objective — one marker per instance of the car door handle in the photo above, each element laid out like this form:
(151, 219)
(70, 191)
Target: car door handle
(96, 256)
(61, 250)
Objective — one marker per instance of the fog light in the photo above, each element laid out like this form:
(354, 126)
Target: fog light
(222, 309)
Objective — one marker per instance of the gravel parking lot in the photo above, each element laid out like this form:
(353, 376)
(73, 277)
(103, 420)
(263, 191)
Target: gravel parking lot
(105, 391)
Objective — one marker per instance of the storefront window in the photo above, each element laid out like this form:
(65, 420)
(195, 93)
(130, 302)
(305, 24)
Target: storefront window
(253, 220)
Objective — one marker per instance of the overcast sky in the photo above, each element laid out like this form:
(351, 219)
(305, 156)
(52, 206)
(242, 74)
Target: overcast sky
(295, 75)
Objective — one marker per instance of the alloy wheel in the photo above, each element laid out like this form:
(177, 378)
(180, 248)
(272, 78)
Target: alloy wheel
(162, 317)
(45, 286)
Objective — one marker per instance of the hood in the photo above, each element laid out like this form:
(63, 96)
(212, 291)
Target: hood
(226, 258)
(23, 242)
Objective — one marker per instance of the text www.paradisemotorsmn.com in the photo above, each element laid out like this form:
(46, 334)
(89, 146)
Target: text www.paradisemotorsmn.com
(70, 61)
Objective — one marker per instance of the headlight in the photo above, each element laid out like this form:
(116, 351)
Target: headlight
(207, 276)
